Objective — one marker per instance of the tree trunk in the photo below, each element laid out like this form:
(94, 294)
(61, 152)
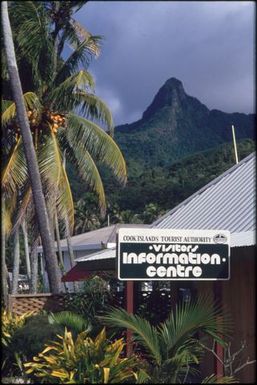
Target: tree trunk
(58, 241)
(70, 250)
(26, 247)
(4, 272)
(16, 261)
(29, 150)
(56, 40)
(34, 268)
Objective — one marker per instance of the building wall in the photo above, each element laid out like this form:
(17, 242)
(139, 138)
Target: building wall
(238, 295)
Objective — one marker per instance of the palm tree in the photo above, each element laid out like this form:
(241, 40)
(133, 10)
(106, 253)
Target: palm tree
(30, 154)
(56, 127)
(16, 262)
(86, 216)
(57, 93)
(4, 271)
(26, 250)
(172, 347)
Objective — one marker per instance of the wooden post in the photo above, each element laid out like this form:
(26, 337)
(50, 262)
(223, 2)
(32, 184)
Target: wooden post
(219, 369)
(130, 309)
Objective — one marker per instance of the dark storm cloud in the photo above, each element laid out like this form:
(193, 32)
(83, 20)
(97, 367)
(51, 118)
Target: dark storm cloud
(209, 46)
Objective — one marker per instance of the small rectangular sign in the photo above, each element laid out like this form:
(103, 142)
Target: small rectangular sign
(173, 254)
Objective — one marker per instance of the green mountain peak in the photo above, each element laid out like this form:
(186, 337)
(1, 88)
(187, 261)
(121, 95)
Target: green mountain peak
(176, 125)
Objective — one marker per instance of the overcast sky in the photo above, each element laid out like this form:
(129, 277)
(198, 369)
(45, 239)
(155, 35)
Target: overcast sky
(209, 46)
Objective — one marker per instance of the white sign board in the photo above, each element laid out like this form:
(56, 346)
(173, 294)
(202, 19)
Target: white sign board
(173, 254)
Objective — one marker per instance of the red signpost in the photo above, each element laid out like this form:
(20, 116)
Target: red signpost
(130, 309)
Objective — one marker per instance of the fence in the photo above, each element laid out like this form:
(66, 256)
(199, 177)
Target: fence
(147, 303)
(22, 303)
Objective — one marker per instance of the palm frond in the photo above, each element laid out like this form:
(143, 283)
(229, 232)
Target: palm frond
(7, 211)
(89, 173)
(78, 4)
(192, 317)
(94, 108)
(14, 173)
(142, 377)
(65, 205)
(22, 210)
(68, 36)
(180, 366)
(31, 103)
(31, 219)
(28, 11)
(98, 143)
(65, 29)
(144, 332)
(81, 56)
(61, 96)
(5, 104)
(83, 35)
(72, 321)
(33, 39)
(55, 180)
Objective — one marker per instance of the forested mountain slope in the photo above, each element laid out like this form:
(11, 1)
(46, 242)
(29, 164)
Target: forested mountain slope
(176, 125)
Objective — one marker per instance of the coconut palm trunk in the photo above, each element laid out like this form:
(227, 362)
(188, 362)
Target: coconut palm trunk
(34, 268)
(33, 170)
(70, 251)
(4, 271)
(16, 261)
(58, 242)
(26, 249)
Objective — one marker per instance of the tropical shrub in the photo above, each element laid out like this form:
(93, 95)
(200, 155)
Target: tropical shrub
(11, 324)
(91, 301)
(74, 323)
(172, 348)
(31, 338)
(83, 361)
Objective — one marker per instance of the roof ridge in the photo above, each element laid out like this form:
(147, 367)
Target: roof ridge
(205, 187)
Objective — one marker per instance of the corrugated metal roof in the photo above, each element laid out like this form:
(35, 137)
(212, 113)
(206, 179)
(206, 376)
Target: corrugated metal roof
(227, 202)
(94, 239)
(101, 236)
(102, 254)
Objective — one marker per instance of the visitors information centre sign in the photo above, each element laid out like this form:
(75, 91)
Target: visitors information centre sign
(167, 254)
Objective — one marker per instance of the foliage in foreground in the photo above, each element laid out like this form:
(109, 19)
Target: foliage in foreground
(92, 300)
(172, 348)
(166, 353)
(72, 321)
(11, 323)
(31, 338)
(83, 361)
